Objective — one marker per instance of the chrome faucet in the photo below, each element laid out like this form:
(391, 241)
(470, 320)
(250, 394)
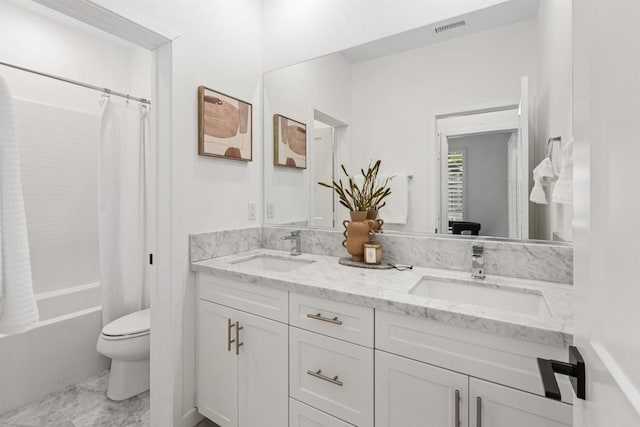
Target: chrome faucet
(296, 245)
(477, 261)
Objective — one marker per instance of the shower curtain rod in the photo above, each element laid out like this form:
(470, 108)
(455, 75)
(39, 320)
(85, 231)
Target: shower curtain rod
(77, 83)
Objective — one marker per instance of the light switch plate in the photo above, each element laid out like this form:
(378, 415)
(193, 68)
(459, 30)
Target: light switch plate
(252, 210)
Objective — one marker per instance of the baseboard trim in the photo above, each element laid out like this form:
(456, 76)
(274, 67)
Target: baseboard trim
(191, 418)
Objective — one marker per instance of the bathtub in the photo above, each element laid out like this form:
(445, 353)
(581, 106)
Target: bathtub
(60, 351)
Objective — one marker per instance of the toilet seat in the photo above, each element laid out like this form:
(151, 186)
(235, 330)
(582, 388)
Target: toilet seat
(132, 325)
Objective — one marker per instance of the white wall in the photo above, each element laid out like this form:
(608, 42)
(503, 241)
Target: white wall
(486, 174)
(553, 104)
(295, 31)
(57, 126)
(296, 92)
(396, 98)
(219, 47)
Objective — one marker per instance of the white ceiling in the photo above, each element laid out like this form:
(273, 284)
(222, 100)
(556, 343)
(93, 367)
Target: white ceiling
(508, 12)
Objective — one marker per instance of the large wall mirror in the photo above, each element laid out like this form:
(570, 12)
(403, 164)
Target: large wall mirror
(471, 116)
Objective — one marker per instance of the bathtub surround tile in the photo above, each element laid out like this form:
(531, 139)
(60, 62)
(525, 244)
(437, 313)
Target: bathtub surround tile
(221, 243)
(81, 404)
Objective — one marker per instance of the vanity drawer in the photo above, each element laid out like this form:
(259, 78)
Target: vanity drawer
(503, 360)
(336, 319)
(332, 375)
(255, 299)
(301, 415)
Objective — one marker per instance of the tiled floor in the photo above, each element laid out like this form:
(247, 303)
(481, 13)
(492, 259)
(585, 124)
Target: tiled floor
(79, 405)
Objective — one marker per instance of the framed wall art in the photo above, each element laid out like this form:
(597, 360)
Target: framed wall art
(289, 142)
(224, 126)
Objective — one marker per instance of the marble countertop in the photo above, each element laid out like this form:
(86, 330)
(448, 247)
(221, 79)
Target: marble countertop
(388, 290)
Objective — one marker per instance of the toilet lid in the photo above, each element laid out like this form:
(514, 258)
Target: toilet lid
(134, 323)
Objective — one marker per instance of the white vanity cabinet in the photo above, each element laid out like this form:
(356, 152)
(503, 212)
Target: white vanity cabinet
(415, 394)
(243, 365)
(448, 360)
(268, 357)
(493, 405)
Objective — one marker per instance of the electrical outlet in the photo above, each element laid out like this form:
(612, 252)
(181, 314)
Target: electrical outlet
(270, 210)
(252, 210)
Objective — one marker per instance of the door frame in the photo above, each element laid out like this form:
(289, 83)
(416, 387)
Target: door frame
(165, 46)
(501, 119)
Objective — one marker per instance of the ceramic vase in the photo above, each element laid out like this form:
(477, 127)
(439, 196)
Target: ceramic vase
(358, 231)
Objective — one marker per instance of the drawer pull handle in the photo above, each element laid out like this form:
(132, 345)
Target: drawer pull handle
(478, 411)
(229, 340)
(318, 374)
(319, 316)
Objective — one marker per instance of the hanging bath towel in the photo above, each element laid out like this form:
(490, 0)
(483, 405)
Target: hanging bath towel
(18, 309)
(543, 175)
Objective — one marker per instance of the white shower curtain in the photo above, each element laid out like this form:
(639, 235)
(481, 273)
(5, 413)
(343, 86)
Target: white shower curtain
(123, 205)
(18, 309)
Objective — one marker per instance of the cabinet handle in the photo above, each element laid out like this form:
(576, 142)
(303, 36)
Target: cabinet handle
(319, 316)
(457, 414)
(229, 340)
(237, 340)
(478, 411)
(318, 374)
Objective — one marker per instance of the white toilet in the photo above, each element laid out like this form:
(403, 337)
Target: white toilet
(126, 342)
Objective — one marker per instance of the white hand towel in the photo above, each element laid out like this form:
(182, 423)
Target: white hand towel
(563, 190)
(18, 309)
(396, 211)
(543, 175)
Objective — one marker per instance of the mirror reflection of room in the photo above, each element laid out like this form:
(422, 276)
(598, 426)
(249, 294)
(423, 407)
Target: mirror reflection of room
(392, 97)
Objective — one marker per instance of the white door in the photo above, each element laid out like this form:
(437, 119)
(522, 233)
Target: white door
(606, 152)
(415, 394)
(493, 405)
(523, 162)
(217, 364)
(263, 390)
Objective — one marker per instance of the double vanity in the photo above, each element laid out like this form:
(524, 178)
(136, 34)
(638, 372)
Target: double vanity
(304, 341)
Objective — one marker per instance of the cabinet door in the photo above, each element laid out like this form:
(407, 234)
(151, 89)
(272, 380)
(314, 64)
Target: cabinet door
(263, 387)
(217, 365)
(415, 394)
(494, 405)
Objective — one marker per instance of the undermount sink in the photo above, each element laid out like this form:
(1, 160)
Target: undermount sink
(272, 263)
(510, 299)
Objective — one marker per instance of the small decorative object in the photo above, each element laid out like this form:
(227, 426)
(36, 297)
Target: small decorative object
(357, 232)
(289, 142)
(372, 253)
(224, 126)
(363, 201)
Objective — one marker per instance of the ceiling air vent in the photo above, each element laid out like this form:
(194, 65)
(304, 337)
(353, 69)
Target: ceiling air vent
(450, 26)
